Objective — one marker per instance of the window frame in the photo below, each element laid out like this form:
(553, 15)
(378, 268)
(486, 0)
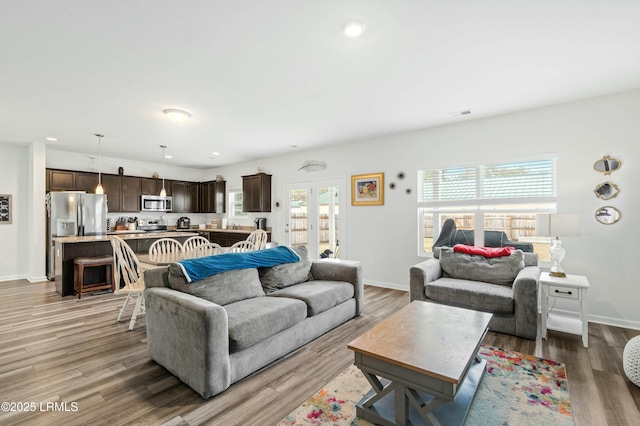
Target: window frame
(233, 203)
(478, 206)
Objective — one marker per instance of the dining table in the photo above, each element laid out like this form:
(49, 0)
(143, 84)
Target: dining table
(160, 259)
(163, 259)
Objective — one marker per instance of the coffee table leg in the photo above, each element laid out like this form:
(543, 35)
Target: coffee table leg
(401, 404)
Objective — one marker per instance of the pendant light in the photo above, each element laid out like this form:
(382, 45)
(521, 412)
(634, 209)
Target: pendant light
(163, 192)
(99, 188)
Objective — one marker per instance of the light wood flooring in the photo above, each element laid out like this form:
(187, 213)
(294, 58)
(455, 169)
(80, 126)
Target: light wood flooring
(72, 351)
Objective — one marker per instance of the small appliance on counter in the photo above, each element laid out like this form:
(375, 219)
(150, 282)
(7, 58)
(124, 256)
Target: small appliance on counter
(184, 223)
(261, 223)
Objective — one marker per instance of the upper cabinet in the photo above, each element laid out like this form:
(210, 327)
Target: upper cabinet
(123, 192)
(213, 197)
(256, 193)
(61, 180)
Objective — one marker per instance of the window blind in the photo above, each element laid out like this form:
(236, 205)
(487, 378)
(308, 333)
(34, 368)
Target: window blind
(513, 183)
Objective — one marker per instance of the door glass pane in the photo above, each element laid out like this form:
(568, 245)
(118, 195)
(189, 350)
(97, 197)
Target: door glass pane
(298, 223)
(328, 221)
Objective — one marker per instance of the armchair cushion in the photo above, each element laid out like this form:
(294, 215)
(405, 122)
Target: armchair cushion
(496, 270)
(474, 295)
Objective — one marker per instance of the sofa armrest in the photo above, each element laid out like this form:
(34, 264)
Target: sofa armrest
(156, 277)
(525, 299)
(189, 336)
(336, 271)
(422, 274)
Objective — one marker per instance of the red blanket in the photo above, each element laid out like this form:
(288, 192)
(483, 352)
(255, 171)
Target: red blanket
(483, 251)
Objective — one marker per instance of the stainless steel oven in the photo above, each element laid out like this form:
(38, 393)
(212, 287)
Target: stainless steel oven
(155, 203)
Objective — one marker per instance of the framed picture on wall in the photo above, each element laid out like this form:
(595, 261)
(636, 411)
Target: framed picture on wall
(5, 208)
(367, 190)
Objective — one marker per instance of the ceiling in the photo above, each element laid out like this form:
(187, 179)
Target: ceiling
(263, 78)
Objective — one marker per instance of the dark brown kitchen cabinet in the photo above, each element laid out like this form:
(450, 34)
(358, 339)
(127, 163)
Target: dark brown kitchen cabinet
(213, 197)
(179, 192)
(130, 193)
(150, 186)
(111, 186)
(192, 195)
(256, 193)
(61, 180)
(86, 182)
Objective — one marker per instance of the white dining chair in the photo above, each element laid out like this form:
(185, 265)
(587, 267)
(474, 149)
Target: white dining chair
(242, 246)
(208, 249)
(258, 238)
(165, 245)
(193, 242)
(128, 270)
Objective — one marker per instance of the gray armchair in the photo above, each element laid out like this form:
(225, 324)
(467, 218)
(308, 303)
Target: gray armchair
(512, 301)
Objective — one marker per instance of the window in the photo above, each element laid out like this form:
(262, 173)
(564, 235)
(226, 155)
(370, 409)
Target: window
(235, 204)
(490, 197)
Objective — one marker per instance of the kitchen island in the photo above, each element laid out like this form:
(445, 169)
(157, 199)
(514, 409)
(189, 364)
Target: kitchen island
(68, 248)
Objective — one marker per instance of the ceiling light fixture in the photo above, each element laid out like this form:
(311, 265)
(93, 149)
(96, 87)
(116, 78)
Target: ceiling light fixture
(177, 115)
(163, 192)
(52, 139)
(354, 28)
(99, 188)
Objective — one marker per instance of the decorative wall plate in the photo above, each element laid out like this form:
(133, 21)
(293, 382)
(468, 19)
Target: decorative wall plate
(607, 165)
(608, 215)
(607, 190)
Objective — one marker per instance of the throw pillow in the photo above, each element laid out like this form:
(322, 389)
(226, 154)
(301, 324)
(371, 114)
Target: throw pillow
(483, 251)
(287, 274)
(496, 270)
(223, 288)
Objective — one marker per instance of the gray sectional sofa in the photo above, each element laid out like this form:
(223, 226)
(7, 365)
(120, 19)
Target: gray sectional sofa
(507, 287)
(214, 332)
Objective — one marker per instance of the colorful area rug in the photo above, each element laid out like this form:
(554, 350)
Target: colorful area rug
(516, 389)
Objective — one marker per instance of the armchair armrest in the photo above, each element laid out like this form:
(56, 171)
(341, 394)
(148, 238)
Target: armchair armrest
(422, 274)
(189, 336)
(336, 271)
(525, 299)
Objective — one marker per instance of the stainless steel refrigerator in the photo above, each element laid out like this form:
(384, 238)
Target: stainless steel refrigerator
(73, 213)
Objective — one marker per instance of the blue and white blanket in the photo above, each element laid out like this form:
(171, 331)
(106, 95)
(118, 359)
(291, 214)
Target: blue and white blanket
(203, 267)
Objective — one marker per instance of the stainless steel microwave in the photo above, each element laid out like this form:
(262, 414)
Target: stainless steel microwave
(155, 203)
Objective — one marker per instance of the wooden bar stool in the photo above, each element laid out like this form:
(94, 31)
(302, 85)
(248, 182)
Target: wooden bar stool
(79, 265)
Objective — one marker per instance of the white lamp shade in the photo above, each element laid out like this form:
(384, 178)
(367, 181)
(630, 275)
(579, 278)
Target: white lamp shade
(558, 225)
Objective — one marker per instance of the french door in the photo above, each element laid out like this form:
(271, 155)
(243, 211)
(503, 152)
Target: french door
(315, 217)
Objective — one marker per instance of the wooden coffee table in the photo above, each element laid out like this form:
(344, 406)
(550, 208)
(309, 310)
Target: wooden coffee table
(422, 365)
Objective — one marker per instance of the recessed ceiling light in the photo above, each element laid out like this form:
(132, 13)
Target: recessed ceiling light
(177, 115)
(168, 156)
(354, 28)
(52, 139)
(215, 153)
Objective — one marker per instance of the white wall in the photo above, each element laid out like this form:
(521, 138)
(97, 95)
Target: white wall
(14, 178)
(384, 238)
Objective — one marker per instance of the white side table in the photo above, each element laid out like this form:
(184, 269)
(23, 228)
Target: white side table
(570, 287)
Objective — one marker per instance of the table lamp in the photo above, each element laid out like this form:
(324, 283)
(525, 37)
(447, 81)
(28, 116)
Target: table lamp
(557, 225)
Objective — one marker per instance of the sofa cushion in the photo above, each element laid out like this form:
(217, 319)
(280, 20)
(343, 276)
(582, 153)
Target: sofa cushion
(496, 270)
(287, 274)
(223, 288)
(319, 296)
(479, 296)
(254, 320)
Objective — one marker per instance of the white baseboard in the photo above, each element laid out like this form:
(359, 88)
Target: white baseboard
(13, 278)
(392, 286)
(23, 277)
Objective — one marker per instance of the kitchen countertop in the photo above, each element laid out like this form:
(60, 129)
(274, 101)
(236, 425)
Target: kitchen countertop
(126, 235)
(229, 230)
